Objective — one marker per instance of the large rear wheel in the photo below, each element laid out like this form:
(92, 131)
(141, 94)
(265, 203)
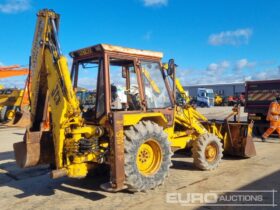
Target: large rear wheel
(207, 152)
(147, 156)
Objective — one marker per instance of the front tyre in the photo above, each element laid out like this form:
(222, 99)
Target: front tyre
(207, 152)
(147, 156)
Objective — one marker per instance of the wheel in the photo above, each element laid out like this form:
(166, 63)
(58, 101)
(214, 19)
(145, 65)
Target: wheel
(207, 152)
(147, 156)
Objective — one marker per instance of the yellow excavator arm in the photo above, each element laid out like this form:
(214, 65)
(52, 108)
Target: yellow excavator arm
(51, 89)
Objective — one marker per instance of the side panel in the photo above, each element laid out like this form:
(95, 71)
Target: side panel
(117, 152)
(259, 94)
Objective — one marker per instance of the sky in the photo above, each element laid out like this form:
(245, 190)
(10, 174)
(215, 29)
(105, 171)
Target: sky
(214, 41)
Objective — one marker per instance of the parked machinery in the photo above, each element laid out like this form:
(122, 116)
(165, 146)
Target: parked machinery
(133, 133)
(258, 96)
(12, 100)
(218, 100)
(205, 97)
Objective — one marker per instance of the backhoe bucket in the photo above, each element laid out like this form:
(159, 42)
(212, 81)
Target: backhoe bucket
(21, 119)
(37, 148)
(238, 139)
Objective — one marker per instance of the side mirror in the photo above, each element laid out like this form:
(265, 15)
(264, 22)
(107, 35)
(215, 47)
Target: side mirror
(124, 72)
(171, 67)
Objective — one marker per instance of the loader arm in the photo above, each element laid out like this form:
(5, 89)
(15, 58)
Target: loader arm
(51, 87)
(187, 114)
(181, 90)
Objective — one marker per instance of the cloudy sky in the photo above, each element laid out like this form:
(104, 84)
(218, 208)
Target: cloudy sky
(214, 41)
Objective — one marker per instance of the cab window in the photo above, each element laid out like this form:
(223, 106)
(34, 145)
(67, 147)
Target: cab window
(124, 85)
(156, 93)
(90, 76)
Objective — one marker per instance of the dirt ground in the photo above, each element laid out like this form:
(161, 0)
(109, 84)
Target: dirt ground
(33, 189)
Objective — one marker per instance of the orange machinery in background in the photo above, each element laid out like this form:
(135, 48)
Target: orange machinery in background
(10, 71)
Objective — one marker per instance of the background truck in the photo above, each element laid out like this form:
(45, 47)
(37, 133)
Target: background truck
(205, 97)
(258, 96)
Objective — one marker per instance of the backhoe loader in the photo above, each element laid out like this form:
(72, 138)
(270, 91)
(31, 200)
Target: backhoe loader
(13, 102)
(10, 100)
(133, 132)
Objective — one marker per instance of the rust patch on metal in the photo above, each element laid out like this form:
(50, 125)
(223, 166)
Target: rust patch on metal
(240, 140)
(117, 153)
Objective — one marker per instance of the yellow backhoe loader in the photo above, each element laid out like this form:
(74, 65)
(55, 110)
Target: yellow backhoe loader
(10, 101)
(133, 132)
(14, 107)
(13, 102)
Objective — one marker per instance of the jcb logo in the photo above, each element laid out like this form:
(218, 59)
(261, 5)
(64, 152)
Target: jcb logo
(55, 95)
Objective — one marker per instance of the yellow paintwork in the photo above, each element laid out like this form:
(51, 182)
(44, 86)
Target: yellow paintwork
(182, 91)
(149, 157)
(179, 86)
(218, 100)
(67, 124)
(50, 71)
(211, 152)
(10, 114)
(77, 170)
(11, 98)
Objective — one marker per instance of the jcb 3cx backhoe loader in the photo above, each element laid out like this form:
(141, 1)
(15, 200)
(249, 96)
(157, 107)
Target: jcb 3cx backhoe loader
(134, 135)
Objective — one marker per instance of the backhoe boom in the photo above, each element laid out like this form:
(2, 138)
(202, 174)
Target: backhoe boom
(51, 88)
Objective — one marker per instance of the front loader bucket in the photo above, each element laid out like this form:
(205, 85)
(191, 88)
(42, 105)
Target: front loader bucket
(238, 139)
(21, 119)
(37, 148)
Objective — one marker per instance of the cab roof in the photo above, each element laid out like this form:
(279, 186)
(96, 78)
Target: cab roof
(114, 49)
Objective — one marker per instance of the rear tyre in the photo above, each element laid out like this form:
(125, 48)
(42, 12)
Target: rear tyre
(147, 156)
(207, 152)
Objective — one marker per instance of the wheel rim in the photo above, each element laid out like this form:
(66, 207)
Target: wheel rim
(211, 152)
(149, 157)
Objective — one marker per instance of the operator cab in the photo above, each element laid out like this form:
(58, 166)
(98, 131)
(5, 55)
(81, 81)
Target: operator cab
(124, 79)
